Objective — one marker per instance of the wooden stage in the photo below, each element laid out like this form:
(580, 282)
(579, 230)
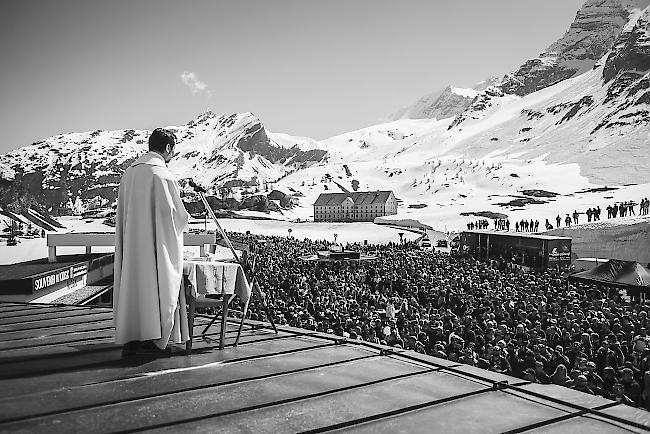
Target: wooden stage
(61, 372)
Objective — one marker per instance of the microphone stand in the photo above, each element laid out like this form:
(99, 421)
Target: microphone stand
(255, 288)
(201, 191)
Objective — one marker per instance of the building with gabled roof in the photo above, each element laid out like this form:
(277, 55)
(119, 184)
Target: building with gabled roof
(359, 206)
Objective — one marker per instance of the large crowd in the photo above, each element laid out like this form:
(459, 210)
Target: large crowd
(527, 324)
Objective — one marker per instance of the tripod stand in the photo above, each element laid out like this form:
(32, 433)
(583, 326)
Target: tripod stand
(250, 271)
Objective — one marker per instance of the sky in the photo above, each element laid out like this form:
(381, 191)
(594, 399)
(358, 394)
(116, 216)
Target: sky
(304, 67)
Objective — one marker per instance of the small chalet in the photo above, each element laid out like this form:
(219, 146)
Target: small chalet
(360, 206)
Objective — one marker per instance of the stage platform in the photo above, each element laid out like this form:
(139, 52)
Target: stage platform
(61, 372)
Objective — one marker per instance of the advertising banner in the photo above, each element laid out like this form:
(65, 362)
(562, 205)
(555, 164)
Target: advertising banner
(60, 278)
(559, 252)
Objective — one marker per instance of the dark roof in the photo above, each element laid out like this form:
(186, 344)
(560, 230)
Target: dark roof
(616, 272)
(61, 372)
(359, 198)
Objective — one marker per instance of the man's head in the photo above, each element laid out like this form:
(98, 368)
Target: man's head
(627, 375)
(162, 141)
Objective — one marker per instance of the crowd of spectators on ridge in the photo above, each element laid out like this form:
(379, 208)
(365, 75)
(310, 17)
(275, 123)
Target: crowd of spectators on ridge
(522, 323)
(622, 209)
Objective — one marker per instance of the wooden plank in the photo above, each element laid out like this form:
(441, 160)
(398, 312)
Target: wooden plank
(4, 304)
(56, 322)
(96, 354)
(81, 239)
(70, 361)
(69, 338)
(365, 401)
(76, 332)
(40, 317)
(56, 330)
(6, 307)
(39, 310)
(108, 239)
(28, 355)
(176, 407)
(173, 380)
(80, 370)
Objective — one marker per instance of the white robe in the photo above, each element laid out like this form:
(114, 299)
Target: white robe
(148, 272)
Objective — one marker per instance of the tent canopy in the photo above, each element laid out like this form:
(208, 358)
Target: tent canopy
(615, 272)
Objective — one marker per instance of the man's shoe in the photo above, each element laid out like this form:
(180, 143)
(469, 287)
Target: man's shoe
(129, 349)
(148, 348)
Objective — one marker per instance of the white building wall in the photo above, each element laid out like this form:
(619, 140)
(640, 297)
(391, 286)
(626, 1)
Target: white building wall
(348, 211)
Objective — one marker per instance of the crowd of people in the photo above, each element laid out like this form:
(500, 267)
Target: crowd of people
(490, 315)
(627, 208)
(479, 224)
(526, 226)
(622, 209)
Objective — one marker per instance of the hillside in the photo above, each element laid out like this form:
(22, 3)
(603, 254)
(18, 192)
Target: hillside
(568, 145)
(75, 172)
(533, 156)
(599, 26)
(610, 239)
(592, 34)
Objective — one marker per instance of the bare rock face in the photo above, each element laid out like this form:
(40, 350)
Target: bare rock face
(631, 51)
(479, 105)
(627, 75)
(591, 35)
(445, 103)
(595, 30)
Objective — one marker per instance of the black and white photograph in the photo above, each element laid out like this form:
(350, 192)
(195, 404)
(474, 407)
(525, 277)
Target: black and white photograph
(288, 216)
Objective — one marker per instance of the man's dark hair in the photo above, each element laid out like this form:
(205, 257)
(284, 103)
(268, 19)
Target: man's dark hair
(159, 139)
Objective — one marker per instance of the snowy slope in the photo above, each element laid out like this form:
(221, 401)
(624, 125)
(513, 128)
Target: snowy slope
(596, 29)
(593, 32)
(79, 171)
(568, 139)
(521, 154)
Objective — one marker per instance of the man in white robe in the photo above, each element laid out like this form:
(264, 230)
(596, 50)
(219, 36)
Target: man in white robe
(148, 305)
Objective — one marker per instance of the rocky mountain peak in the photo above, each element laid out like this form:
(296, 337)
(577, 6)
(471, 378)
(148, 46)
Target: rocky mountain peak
(591, 35)
(78, 171)
(597, 28)
(632, 49)
(444, 103)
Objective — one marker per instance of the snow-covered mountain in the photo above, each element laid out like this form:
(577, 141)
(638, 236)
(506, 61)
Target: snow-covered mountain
(568, 144)
(591, 35)
(442, 104)
(596, 29)
(81, 170)
(581, 142)
(598, 120)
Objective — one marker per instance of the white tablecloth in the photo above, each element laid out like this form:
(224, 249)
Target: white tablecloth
(211, 277)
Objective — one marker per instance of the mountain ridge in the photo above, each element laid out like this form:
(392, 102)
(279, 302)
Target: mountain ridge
(594, 32)
(80, 170)
(571, 139)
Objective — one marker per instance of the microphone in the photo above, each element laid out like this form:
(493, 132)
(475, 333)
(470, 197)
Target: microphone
(197, 187)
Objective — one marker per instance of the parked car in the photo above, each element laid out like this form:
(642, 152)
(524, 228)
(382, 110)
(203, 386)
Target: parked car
(441, 243)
